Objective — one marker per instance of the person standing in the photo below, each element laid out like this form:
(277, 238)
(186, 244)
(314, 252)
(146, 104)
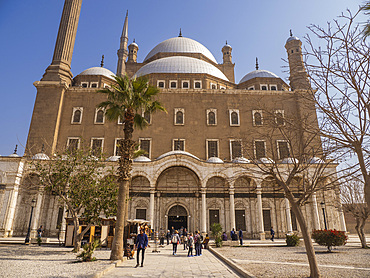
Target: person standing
(241, 236)
(175, 241)
(205, 242)
(168, 236)
(197, 243)
(272, 233)
(190, 245)
(141, 244)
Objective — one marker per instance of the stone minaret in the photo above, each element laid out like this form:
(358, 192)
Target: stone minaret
(122, 51)
(60, 68)
(298, 75)
(47, 112)
(227, 66)
(133, 48)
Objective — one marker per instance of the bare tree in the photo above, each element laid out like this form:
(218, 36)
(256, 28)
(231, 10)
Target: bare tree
(339, 71)
(352, 196)
(298, 163)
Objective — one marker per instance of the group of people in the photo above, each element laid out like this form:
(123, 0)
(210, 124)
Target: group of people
(234, 236)
(189, 240)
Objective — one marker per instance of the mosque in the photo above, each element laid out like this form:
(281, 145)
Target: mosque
(197, 170)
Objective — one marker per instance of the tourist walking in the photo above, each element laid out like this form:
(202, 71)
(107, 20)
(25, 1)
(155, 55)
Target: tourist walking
(141, 245)
(190, 245)
(272, 233)
(185, 238)
(241, 236)
(197, 243)
(175, 241)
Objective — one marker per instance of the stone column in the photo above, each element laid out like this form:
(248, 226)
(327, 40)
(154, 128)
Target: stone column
(63, 225)
(159, 213)
(232, 208)
(36, 213)
(342, 219)
(315, 213)
(204, 211)
(151, 208)
(261, 229)
(288, 216)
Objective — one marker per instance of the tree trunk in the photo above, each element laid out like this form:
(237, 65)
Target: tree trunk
(77, 242)
(365, 174)
(127, 148)
(117, 244)
(360, 223)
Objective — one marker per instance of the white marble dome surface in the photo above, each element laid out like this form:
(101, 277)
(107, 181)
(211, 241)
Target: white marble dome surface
(98, 71)
(180, 64)
(258, 73)
(180, 45)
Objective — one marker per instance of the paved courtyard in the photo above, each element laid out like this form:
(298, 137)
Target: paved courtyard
(164, 264)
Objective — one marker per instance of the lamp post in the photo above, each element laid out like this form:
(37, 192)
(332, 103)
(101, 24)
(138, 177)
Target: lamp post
(27, 240)
(323, 212)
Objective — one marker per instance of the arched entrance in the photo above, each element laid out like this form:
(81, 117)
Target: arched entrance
(177, 217)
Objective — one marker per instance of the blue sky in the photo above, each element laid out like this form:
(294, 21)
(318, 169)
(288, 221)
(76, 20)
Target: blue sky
(28, 31)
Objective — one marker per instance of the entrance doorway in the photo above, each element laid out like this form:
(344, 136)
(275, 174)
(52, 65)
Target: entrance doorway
(177, 217)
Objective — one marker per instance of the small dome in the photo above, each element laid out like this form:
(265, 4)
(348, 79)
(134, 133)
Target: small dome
(315, 160)
(180, 45)
(289, 160)
(98, 71)
(13, 155)
(40, 156)
(176, 153)
(214, 160)
(113, 158)
(265, 160)
(258, 73)
(292, 38)
(240, 160)
(180, 64)
(134, 44)
(141, 158)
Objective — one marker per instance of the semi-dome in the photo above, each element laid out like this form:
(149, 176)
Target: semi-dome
(141, 158)
(180, 64)
(290, 160)
(98, 71)
(40, 156)
(177, 152)
(113, 158)
(258, 73)
(315, 160)
(240, 160)
(214, 160)
(180, 45)
(265, 160)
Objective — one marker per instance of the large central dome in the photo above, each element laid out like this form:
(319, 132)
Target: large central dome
(180, 45)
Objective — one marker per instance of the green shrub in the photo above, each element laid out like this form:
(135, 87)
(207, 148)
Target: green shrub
(216, 229)
(292, 240)
(329, 238)
(88, 250)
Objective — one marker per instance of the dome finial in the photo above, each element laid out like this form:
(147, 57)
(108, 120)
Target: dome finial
(291, 33)
(126, 12)
(42, 149)
(102, 61)
(134, 40)
(180, 34)
(15, 150)
(226, 42)
(256, 63)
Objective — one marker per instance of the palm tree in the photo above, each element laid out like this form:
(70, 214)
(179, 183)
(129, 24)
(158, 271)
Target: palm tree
(366, 8)
(127, 99)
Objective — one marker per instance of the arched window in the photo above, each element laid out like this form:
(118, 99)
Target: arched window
(77, 116)
(257, 118)
(234, 118)
(211, 118)
(179, 117)
(99, 117)
(279, 118)
(147, 116)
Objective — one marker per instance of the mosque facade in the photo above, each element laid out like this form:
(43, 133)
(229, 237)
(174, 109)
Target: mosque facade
(197, 169)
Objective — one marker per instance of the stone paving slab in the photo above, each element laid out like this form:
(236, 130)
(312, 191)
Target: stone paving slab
(164, 264)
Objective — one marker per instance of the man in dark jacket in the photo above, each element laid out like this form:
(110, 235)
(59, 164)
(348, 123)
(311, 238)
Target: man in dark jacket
(141, 244)
(241, 236)
(272, 233)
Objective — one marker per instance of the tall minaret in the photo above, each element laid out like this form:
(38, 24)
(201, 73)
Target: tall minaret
(122, 51)
(47, 112)
(60, 68)
(298, 76)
